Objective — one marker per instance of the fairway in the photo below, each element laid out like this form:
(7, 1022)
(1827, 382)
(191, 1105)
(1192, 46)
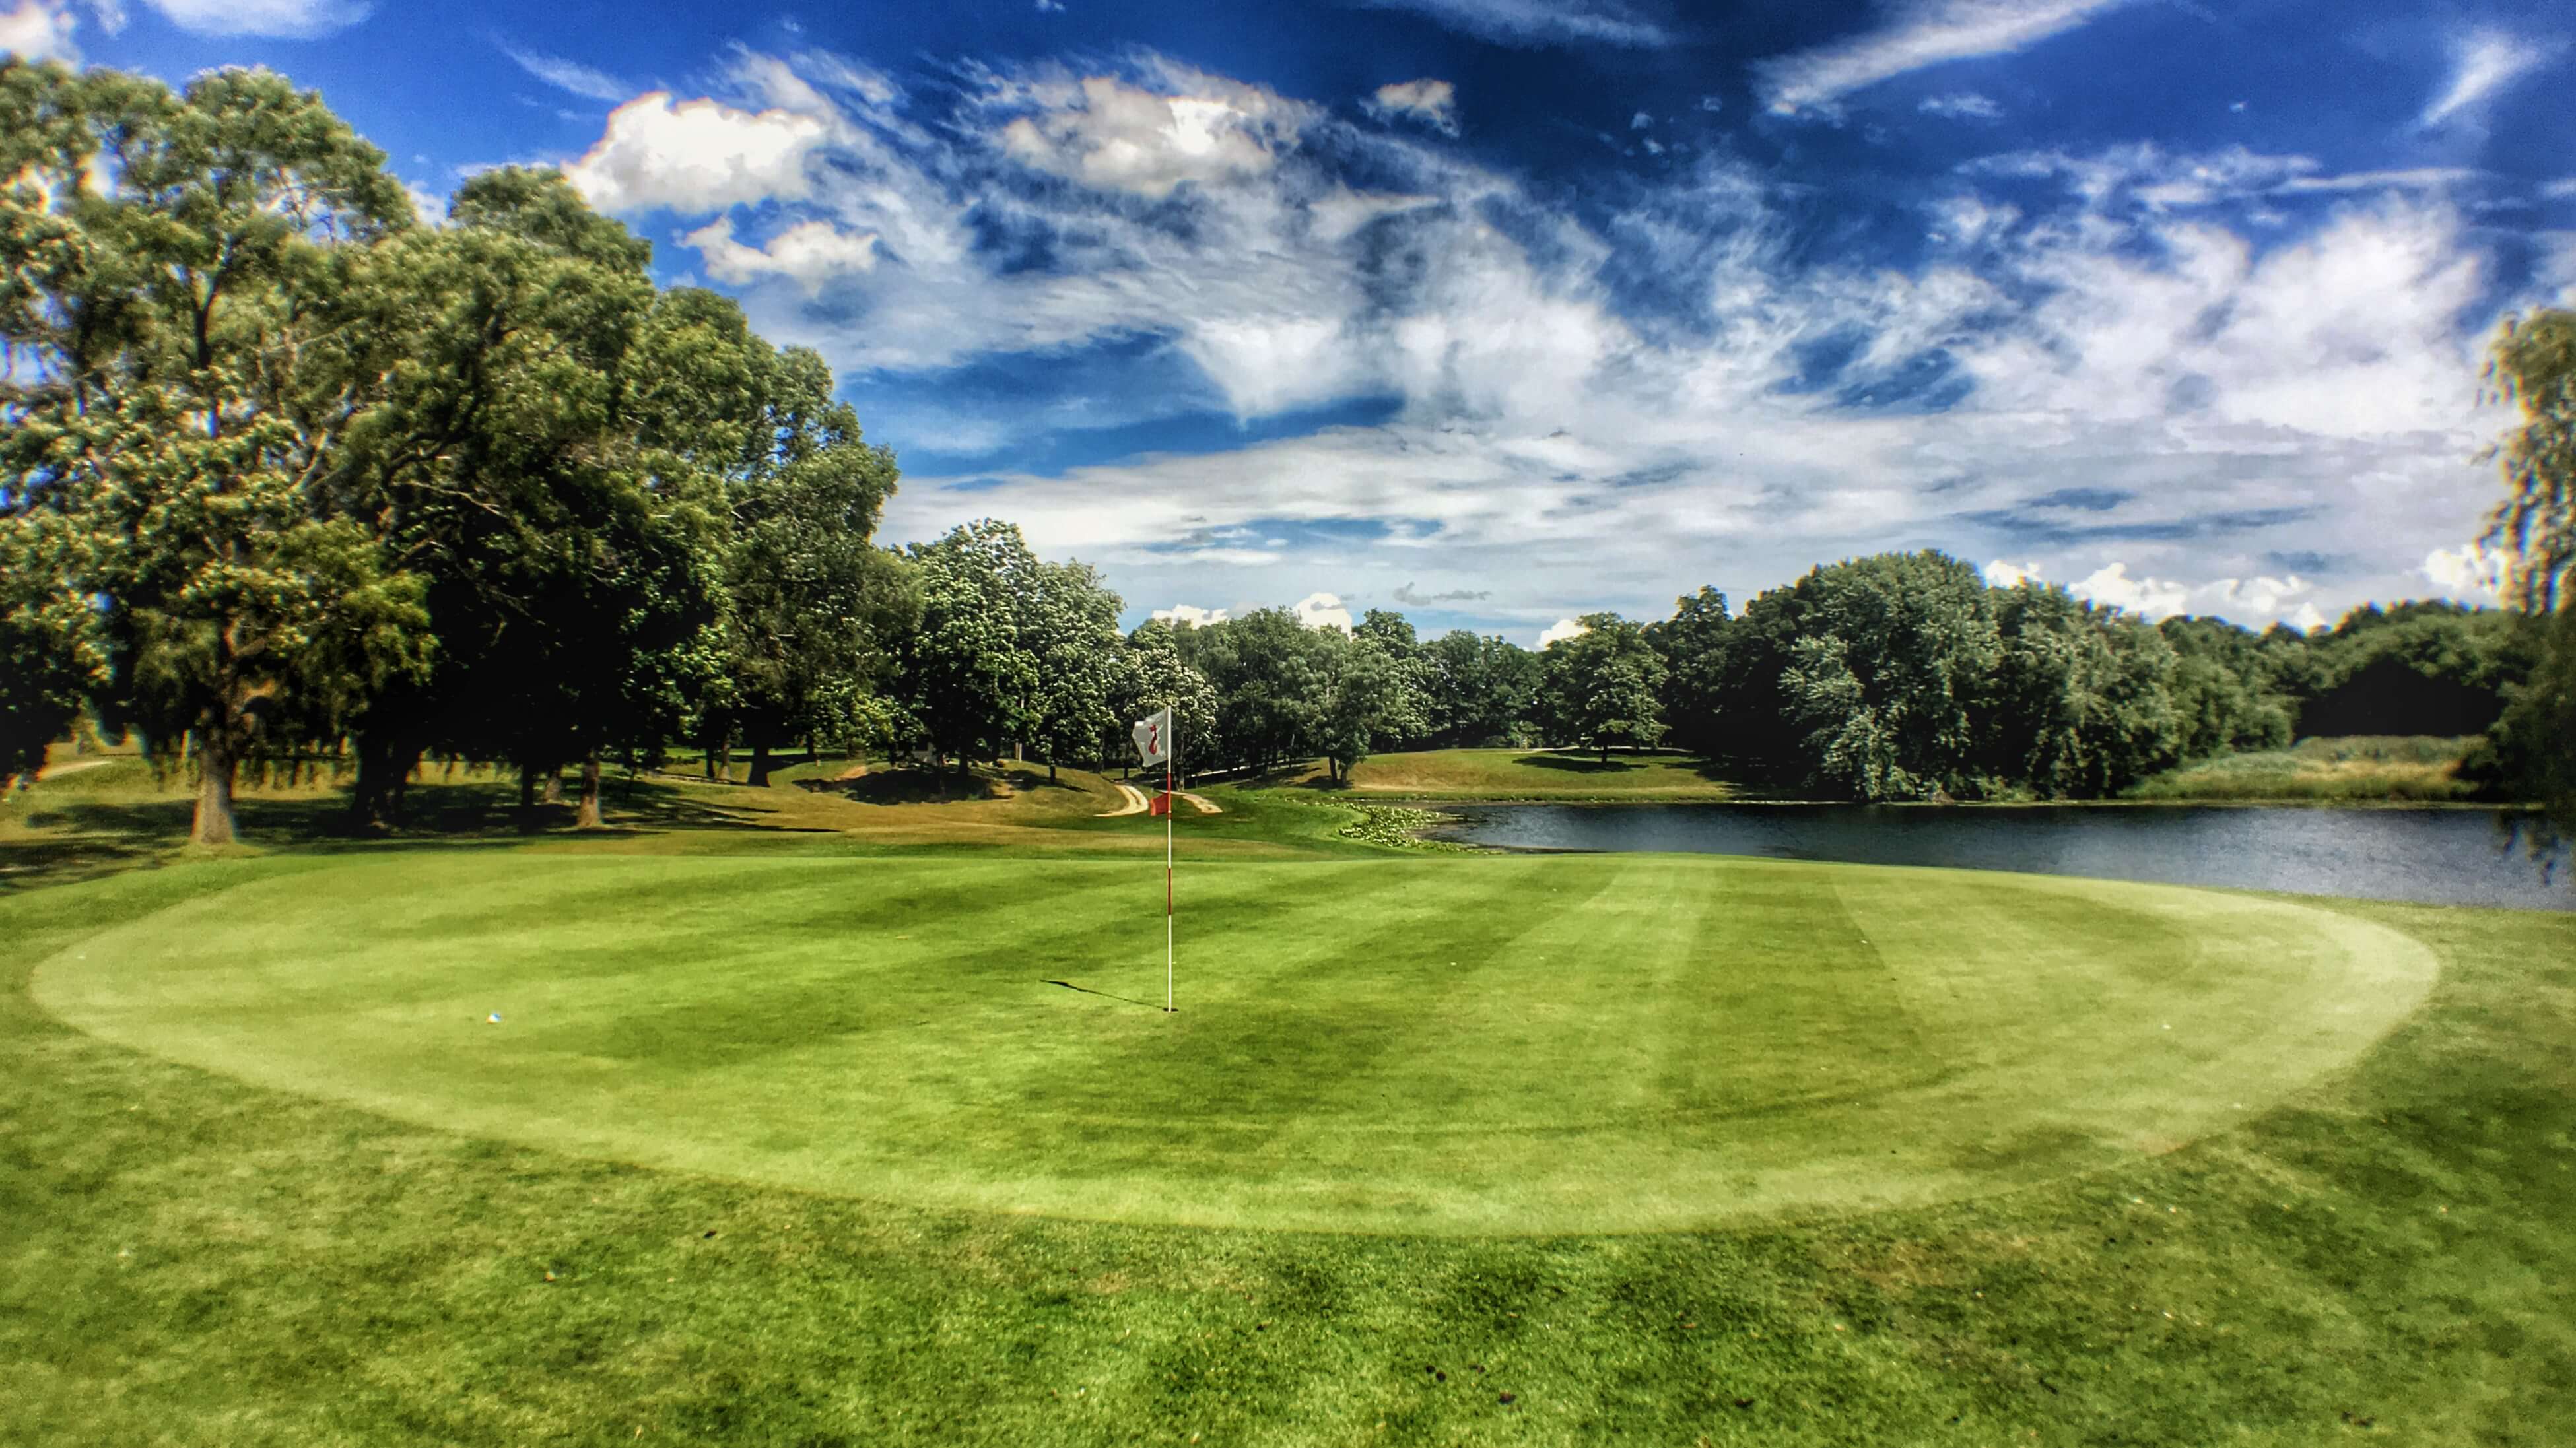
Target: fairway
(1446, 1046)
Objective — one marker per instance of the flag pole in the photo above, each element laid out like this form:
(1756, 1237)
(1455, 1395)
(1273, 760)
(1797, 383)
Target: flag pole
(1171, 768)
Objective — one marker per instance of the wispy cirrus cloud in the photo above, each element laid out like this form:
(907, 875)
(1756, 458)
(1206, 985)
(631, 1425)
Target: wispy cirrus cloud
(1538, 22)
(585, 81)
(1919, 33)
(2484, 64)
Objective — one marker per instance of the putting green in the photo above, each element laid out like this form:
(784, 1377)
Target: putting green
(1428, 1044)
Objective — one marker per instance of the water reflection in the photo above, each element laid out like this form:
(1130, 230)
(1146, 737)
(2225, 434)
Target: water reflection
(2439, 857)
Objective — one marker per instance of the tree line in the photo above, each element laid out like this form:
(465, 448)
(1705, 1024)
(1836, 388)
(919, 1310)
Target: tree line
(285, 471)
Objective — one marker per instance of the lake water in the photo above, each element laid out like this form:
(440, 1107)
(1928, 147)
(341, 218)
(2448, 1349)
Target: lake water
(2437, 857)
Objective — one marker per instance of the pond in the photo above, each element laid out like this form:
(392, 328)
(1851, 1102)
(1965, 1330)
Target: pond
(2430, 856)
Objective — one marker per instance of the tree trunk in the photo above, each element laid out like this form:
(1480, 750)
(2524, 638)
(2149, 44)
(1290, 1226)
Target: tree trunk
(385, 763)
(589, 818)
(760, 762)
(216, 761)
(527, 787)
(554, 784)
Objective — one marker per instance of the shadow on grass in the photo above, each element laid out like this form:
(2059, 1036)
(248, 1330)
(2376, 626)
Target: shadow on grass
(78, 837)
(906, 785)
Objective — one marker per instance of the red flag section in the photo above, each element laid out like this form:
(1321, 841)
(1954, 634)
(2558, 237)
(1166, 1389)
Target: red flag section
(1160, 804)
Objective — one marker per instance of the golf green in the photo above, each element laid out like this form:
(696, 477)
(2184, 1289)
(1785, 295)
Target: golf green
(1479, 1045)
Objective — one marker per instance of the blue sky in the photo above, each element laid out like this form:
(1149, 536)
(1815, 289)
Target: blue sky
(1501, 311)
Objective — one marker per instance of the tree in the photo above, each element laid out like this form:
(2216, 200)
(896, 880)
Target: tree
(1074, 637)
(1693, 643)
(1364, 688)
(1404, 718)
(1150, 676)
(1481, 688)
(2078, 706)
(1601, 687)
(1885, 661)
(2535, 367)
(1269, 691)
(51, 651)
(171, 261)
(968, 680)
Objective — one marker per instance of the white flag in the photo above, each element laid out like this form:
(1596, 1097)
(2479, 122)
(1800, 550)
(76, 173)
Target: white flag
(1154, 737)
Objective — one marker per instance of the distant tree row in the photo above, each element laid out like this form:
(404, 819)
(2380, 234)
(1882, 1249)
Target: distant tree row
(285, 472)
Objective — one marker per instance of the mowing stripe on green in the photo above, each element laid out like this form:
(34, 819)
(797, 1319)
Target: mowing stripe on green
(1446, 1045)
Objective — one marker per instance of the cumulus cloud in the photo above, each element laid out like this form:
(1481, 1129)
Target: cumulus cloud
(2483, 64)
(2470, 571)
(38, 30)
(696, 157)
(1113, 136)
(285, 19)
(1538, 22)
(1962, 106)
(569, 75)
(1926, 32)
(1323, 610)
(2011, 575)
(810, 254)
(1191, 614)
(1432, 102)
(1564, 628)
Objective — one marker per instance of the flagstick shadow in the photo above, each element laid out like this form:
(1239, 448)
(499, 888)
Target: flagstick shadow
(1111, 995)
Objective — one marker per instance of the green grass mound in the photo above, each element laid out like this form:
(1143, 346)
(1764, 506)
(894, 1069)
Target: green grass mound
(1449, 1046)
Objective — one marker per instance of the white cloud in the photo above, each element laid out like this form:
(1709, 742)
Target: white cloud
(696, 157)
(2560, 190)
(2483, 64)
(1432, 102)
(1051, 7)
(286, 19)
(2125, 334)
(2112, 586)
(1564, 628)
(38, 30)
(811, 254)
(1640, 121)
(428, 205)
(2471, 571)
(1112, 136)
(1962, 106)
(1927, 32)
(2012, 575)
(569, 75)
(1190, 614)
(1537, 22)
(1323, 610)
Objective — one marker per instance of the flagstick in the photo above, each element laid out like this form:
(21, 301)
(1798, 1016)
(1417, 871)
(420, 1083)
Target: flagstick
(1171, 768)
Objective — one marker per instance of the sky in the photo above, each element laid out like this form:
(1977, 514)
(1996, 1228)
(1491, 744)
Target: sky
(1500, 312)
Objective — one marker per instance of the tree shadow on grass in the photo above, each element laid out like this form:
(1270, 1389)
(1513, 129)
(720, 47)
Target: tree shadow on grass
(77, 837)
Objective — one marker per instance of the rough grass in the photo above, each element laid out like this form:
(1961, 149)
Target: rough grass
(1523, 774)
(2400, 768)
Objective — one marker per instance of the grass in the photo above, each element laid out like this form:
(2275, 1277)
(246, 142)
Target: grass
(1523, 774)
(1521, 1045)
(2398, 768)
(2370, 1251)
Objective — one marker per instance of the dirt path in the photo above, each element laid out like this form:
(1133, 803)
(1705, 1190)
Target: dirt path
(1135, 802)
(57, 771)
